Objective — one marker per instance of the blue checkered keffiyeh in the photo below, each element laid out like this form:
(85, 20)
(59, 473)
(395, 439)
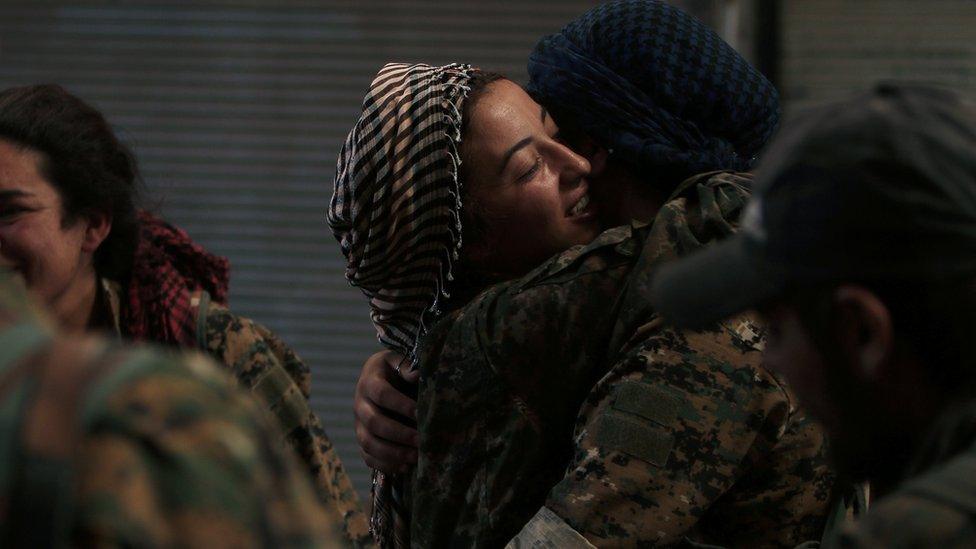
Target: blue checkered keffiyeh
(661, 89)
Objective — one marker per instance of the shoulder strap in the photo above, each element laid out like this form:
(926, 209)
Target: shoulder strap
(201, 305)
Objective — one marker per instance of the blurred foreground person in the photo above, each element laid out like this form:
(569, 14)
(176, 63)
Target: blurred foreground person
(108, 446)
(860, 249)
(69, 226)
(552, 398)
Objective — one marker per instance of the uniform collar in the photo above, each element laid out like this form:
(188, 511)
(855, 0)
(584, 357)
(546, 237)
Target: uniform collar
(111, 300)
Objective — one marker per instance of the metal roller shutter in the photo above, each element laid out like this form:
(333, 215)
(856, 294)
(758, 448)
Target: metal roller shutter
(236, 110)
(832, 48)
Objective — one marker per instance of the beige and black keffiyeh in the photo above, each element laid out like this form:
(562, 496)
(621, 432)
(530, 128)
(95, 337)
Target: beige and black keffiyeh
(396, 213)
(396, 207)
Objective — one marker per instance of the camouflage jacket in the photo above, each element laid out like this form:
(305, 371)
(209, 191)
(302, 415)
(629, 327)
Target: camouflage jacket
(562, 396)
(935, 506)
(107, 446)
(271, 370)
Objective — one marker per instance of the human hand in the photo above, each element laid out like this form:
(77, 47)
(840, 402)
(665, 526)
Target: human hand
(386, 413)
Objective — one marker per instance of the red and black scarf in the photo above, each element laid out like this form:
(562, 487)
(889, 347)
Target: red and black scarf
(168, 267)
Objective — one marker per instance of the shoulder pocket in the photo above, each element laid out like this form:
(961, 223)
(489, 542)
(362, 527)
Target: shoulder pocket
(639, 423)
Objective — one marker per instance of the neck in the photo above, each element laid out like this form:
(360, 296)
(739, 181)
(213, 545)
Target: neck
(931, 428)
(74, 307)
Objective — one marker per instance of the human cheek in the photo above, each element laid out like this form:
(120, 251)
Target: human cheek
(6, 253)
(23, 246)
(538, 201)
(795, 357)
(10, 243)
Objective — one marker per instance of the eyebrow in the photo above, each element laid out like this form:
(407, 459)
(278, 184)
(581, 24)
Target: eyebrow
(543, 113)
(511, 151)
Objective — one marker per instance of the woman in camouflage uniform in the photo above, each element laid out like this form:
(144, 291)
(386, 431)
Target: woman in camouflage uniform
(69, 226)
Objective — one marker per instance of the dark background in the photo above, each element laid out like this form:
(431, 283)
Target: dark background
(237, 108)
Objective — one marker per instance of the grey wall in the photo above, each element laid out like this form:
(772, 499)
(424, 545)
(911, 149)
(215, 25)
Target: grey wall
(833, 48)
(236, 110)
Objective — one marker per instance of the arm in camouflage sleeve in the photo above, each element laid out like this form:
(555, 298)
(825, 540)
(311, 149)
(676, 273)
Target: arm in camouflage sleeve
(269, 368)
(689, 437)
(503, 379)
(175, 455)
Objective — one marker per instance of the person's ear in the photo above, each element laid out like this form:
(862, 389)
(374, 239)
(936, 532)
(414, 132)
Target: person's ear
(598, 160)
(864, 327)
(98, 228)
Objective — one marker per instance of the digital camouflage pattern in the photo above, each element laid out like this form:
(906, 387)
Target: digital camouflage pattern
(252, 352)
(689, 437)
(501, 382)
(272, 371)
(667, 435)
(102, 445)
(935, 506)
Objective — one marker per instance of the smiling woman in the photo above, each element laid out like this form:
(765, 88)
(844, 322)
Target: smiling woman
(444, 156)
(69, 226)
(54, 253)
(527, 186)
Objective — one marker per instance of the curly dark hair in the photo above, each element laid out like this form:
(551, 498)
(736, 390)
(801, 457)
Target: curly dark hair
(86, 163)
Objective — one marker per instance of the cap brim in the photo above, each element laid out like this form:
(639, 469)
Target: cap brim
(712, 284)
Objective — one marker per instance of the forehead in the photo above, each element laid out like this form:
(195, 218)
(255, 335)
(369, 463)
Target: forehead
(20, 169)
(503, 112)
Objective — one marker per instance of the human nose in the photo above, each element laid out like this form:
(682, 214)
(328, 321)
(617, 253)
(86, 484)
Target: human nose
(573, 167)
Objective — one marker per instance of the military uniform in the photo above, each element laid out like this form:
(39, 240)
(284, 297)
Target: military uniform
(667, 435)
(136, 447)
(271, 370)
(935, 506)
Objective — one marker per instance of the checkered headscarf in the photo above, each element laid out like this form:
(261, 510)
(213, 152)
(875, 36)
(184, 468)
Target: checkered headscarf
(397, 201)
(168, 267)
(661, 89)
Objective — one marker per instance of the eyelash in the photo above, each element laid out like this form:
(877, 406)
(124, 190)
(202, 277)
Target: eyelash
(535, 167)
(10, 211)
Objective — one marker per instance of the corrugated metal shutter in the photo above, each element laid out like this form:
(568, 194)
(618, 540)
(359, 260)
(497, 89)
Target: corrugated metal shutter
(236, 110)
(832, 48)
